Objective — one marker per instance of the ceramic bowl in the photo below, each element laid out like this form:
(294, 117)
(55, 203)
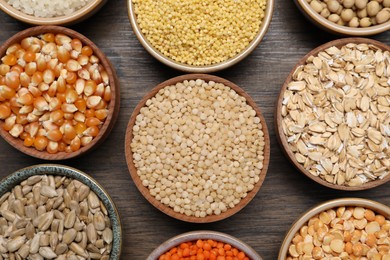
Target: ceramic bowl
(145, 191)
(332, 27)
(113, 106)
(332, 204)
(79, 15)
(204, 234)
(282, 138)
(14, 179)
(206, 68)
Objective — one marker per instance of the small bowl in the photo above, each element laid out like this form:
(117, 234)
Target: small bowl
(145, 191)
(206, 68)
(113, 106)
(353, 202)
(204, 234)
(278, 122)
(332, 27)
(83, 13)
(8, 183)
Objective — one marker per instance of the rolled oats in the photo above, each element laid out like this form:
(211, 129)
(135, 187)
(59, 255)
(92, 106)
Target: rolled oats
(336, 114)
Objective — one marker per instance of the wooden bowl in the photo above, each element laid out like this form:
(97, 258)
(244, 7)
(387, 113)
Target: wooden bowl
(145, 191)
(278, 122)
(206, 68)
(14, 179)
(83, 13)
(204, 234)
(344, 202)
(332, 27)
(113, 106)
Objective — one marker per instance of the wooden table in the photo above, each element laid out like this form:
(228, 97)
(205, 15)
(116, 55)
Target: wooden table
(285, 193)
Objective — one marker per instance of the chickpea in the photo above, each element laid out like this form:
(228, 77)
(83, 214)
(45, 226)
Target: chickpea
(360, 4)
(365, 22)
(325, 13)
(362, 13)
(316, 6)
(354, 22)
(334, 18)
(348, 3)
(383, 16)
(373, 8)
(386, 3)
(347, 15)
(333, 6)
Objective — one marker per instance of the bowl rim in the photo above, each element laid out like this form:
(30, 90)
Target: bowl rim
(315, 17)
(205, 68)
(311, 212)
(113, 106)
(84, 12)
(10, 181)
(278, 115)
(145, 191)
(204, 234)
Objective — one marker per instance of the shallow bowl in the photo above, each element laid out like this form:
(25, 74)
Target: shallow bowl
(79, 15)
(113, 106)
(278, 115)
(14, 179)
(145, 191)
(206, 68)
(344, 202)
(332, 27)
(204, 234)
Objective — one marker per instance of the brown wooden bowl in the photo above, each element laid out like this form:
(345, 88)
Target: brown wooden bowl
(145, 191)
(325, 24)
(332, 204)
(193, 236)
(113, 106)
(205, 68)
(278, 115)
(83, 13)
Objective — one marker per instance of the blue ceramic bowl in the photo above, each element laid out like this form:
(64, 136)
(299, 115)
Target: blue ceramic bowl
(17, 177)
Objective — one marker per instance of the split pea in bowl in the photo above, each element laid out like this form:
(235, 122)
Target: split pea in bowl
(200, 36)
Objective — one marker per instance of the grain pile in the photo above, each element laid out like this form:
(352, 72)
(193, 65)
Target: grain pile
(335, 114)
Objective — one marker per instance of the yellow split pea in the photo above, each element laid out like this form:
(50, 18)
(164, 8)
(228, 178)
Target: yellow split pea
(198, 32)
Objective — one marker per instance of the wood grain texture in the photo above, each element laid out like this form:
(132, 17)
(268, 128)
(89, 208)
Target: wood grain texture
(285, 193)
(145, 191)
(281, 137)
(113, 106)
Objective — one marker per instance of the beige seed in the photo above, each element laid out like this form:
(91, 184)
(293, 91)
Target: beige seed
(48, 191)
(99, 221)
(91, 233)
(61, 248)
(107, 235)
(93, 200)
(14, 244)
(69, 236)
(47, 253)
(70, 219)
(78, 250)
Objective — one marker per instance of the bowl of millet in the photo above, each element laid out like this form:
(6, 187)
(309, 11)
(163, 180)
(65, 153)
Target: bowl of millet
(197, 148)
(204, 244)
(51, 12)
(347, 228)
(200, 36)
(59, 94)
(348, 17)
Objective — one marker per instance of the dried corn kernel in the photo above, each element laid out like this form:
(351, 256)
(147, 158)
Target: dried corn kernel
(45, 91)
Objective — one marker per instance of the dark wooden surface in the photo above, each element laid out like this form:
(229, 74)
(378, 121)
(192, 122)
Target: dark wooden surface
(285, 193)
